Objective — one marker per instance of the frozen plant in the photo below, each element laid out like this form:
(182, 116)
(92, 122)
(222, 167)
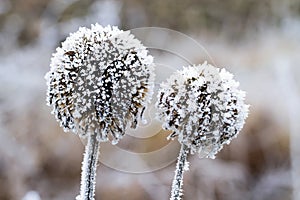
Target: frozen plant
(100, 81)
(204, 109)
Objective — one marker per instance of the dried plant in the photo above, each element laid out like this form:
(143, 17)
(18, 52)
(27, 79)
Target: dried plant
(204, 108)
(100, 81)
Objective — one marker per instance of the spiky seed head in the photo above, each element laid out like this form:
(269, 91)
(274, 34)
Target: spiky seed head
(100, 81)
(203, 107)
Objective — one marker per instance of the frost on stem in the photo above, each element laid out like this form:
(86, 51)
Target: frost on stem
(99, 83)
(181, 166)
(203, 107)
(89, 169)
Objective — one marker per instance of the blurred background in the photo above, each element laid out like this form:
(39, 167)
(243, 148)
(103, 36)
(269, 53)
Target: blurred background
(257, 40)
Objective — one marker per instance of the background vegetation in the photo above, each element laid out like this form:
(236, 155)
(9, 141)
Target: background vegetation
(258, 41)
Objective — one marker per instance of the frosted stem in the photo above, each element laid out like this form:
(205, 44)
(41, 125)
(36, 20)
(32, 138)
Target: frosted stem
(89, 169)
(178, 178)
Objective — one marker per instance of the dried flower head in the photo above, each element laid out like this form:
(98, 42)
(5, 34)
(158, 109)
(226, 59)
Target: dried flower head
(100, 82)
(203, 106)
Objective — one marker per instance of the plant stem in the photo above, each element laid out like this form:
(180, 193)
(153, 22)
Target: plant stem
(177, 184)
(89, 169)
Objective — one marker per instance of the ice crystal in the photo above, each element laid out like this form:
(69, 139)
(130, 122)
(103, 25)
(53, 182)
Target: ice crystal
(100, 82)
(203, 107)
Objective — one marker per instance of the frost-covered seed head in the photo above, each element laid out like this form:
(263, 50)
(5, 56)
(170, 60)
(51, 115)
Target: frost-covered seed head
(203, 106)
(100, 81)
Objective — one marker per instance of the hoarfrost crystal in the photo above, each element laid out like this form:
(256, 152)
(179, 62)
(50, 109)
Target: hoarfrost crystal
(100, 82)
(203, 107)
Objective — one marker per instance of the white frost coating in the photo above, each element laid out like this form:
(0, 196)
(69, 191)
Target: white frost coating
(203, 106)
(89, 169)
(91, 80)
(181, 166)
